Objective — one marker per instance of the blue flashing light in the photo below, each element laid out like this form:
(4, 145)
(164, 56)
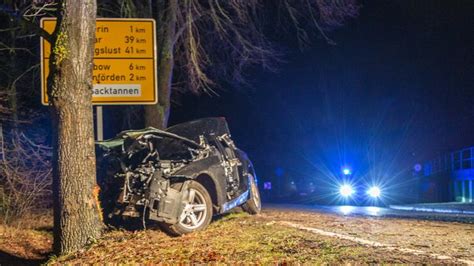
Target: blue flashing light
(346, 171)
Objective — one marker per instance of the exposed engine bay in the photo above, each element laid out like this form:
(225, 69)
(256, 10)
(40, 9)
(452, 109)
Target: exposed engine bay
(155, 171)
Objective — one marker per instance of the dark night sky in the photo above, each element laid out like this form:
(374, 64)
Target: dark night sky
(395, 90)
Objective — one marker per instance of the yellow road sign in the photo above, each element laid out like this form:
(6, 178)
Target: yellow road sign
(124, 61)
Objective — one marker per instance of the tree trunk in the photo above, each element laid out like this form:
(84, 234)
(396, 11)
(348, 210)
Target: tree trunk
(12, 90)
(157, 115)
(76, 207)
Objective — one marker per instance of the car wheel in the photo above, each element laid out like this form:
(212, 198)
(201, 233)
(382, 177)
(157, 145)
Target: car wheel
(197, 212)
(254, 204)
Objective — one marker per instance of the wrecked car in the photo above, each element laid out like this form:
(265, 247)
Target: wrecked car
(180, 177)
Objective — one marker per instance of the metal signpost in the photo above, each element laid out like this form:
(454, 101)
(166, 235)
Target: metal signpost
(124, 71)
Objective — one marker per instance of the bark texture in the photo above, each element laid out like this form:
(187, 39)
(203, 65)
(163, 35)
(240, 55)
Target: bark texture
(157, 115)
(76, 208)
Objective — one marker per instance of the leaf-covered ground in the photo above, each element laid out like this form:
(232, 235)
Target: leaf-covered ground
(234, 238)
(27, 242)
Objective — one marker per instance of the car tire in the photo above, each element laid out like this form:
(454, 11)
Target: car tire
(197, 213)
(254, 204)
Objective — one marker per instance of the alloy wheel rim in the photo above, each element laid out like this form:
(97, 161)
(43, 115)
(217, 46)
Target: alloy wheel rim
(195, 211)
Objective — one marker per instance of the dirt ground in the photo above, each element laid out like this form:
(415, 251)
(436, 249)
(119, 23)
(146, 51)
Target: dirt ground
(261, 239)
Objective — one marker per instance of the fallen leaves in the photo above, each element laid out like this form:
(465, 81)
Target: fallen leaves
(33, 244)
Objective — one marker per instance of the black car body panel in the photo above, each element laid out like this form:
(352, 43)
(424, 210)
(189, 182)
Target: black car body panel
(148, 162)
(207, 127)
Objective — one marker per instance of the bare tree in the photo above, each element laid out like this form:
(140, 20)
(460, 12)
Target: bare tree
(15, 57)
(209, 42)
(25, 176)
(4, 109)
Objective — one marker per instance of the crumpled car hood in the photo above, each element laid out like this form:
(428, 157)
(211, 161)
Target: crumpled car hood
(188, 132)
(134, 134)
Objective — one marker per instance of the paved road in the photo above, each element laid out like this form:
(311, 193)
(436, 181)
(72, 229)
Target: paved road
(447, 238)
(371, 211)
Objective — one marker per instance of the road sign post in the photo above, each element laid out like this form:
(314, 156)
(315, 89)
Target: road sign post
(100, 123)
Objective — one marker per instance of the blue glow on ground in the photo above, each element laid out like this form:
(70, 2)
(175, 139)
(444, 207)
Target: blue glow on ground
(346, 209)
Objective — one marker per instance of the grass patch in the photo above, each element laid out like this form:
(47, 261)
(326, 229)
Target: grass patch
(233, 238)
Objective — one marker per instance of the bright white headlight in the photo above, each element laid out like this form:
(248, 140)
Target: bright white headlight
(374, 192)
(346, 190)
